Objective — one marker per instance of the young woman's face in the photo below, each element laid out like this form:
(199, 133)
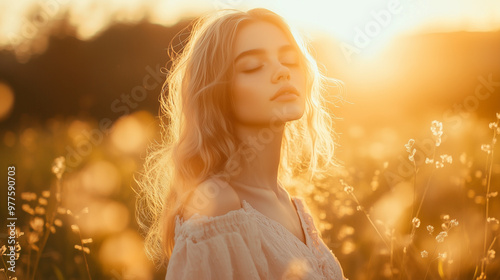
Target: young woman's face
(269, 84)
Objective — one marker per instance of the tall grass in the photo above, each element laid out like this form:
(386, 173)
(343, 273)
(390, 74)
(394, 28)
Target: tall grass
(411, 254)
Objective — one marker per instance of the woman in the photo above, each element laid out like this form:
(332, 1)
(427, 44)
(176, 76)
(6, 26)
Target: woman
(242, 113)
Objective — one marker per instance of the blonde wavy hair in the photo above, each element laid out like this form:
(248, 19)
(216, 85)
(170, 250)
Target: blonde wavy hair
(197, 134)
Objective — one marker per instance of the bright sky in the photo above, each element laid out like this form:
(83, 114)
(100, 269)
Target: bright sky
(346, 20)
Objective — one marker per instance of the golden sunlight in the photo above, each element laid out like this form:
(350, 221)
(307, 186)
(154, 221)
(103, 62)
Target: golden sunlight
(414, 193)
(358, 25)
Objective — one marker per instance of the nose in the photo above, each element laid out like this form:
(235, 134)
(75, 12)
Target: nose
(282, 73)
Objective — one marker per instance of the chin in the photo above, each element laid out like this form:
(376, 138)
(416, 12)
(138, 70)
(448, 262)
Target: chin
(290, 112)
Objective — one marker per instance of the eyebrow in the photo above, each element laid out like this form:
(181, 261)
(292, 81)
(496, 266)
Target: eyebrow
(261, 51)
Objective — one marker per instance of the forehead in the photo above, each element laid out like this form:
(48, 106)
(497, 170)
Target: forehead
(259, 35)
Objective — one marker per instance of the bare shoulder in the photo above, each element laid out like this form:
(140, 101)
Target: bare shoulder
(212, 198)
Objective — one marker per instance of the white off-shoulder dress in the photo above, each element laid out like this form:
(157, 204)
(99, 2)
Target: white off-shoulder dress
(246, 244)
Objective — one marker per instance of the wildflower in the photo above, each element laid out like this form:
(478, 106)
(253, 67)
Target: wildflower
(411, 151)
(439, 164)
(430, 229)
(410, 144)
(493, 194)
(37, 224)
(424, 254)
(58, 222)
(411, 157)
(39, 210)
(493, 125)
(28, 209)
(441, 236)
(443, 256)
(86, 241)
(46, 194)
(75, 228)
(492, 220)
(491, 254)
(486, 148)
(85, 249)
(498, 116)
(428, 160)
(58, 166)
(349, 189)
(446, 158)
(416, 222)
(28, 196)
(42, 201)
(453, 223)
(445, 217)
(437, 131)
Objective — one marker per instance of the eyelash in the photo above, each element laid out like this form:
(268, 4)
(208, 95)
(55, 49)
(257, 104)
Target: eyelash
(257, 68)
(252, 70)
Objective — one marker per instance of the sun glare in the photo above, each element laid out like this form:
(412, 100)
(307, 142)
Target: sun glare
(361, 24)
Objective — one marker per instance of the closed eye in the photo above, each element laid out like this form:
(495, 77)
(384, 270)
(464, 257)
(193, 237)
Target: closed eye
(252, 70)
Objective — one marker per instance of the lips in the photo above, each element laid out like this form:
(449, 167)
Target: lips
(284, 91)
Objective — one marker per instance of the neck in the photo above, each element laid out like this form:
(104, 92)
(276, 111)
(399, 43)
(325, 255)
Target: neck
(260, 157)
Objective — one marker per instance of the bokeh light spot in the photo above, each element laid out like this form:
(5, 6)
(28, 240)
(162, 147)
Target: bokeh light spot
(7, 100)
(101, 178)
(130, 134)
(105, 217)
(125, 253)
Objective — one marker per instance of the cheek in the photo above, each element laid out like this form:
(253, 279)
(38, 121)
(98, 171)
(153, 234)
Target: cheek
(240, 88)
(248, 96)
